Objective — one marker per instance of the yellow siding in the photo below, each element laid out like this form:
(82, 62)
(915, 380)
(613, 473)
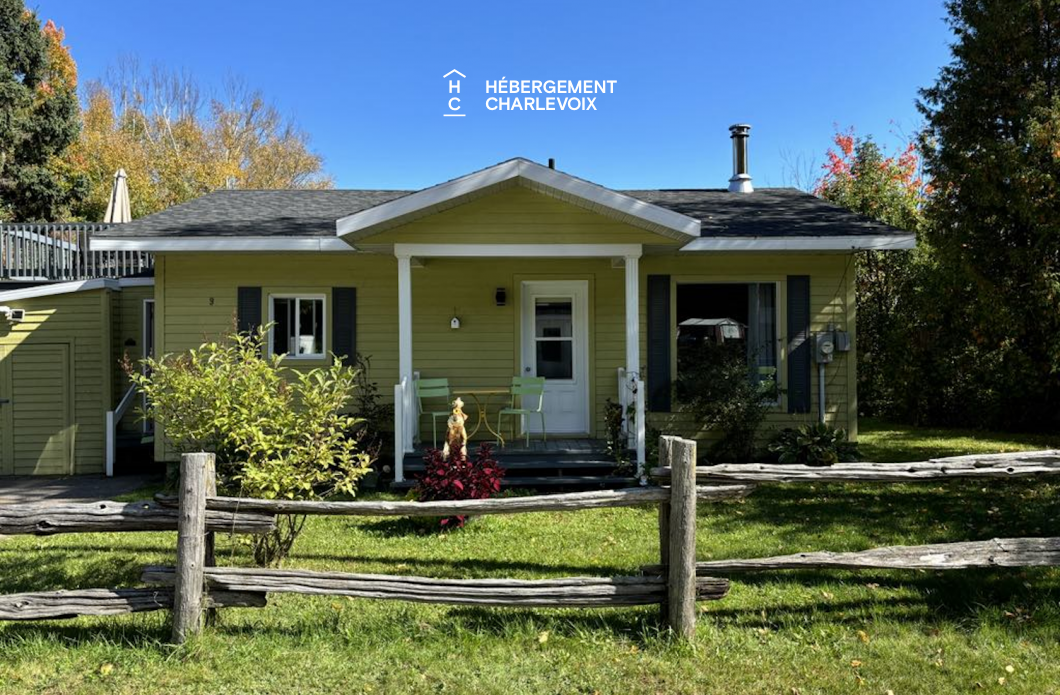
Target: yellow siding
(197, 300)
(517, 215)
(74, 325)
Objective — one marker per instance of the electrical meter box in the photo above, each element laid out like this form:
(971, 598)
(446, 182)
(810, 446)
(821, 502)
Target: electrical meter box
(824, 347)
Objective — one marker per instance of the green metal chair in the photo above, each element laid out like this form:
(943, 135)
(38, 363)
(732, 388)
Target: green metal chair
(433, 389)
(526, 389)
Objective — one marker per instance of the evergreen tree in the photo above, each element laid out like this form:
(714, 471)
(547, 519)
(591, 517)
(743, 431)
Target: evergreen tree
(38, 116)
(992, 150)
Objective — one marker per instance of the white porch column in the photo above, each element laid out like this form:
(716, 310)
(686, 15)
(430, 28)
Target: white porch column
(404, 361)
(633, 351)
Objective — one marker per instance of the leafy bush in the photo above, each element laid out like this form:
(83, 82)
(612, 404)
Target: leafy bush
(278, 433)
(375, 420)
(459, 478)
(715, 385)
(617, 442)
(813, 445)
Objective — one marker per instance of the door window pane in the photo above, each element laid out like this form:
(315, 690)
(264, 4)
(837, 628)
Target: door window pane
(555, 359)
(554, 318)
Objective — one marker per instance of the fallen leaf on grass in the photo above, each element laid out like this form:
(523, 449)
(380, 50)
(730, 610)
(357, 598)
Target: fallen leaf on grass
(543, 637)
(863, 636)
(855, 663)
(1010, 668)
(106, 669)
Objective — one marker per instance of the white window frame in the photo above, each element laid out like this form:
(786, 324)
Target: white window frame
(299, 296)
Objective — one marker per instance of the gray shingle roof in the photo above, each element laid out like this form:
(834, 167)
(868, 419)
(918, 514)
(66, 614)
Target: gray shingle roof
(768, 212)
(254, 213)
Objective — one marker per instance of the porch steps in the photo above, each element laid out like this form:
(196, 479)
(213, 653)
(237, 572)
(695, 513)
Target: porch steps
(580, 463)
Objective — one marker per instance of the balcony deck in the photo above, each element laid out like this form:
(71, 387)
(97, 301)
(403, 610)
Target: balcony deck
(59, 252)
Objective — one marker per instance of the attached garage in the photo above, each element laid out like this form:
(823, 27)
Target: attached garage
(60, 345)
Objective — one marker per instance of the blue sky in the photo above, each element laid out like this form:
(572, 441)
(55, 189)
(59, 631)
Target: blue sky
(365, 79)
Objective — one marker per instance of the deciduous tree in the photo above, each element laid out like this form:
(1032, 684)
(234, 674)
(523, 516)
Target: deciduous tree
(176, 145)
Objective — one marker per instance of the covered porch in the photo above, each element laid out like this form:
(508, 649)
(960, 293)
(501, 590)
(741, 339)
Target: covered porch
(479, 315)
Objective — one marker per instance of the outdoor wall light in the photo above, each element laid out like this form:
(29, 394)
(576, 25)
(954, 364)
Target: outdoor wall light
(501, 296)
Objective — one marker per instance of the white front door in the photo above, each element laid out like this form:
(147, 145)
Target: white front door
(555, 330)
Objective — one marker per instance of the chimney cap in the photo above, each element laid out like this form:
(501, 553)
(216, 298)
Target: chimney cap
(740, 128)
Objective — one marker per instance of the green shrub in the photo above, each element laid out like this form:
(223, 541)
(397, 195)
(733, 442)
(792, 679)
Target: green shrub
(813, 445)
(715, 383)
(278, 433)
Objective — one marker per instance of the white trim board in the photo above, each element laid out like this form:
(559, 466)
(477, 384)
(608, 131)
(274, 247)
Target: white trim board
(75, 286)
(232, 243)
(517, 250)
(893, 242)
(603, 200)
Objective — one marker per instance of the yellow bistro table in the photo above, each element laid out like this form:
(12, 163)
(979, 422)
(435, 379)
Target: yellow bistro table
(482, 399)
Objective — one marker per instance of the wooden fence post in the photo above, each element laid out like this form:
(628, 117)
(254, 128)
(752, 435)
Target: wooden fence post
(191, 547)
(681, 573)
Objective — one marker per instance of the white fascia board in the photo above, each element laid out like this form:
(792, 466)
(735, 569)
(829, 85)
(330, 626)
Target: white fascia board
(222, 244)
(136, 282)
(893, 242)
(525, 169)
(60, 288)
(517, 250)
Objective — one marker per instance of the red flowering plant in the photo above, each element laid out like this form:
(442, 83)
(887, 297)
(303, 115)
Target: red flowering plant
(459, 478)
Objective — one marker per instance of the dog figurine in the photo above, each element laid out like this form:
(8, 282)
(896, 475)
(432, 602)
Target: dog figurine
(456, 433)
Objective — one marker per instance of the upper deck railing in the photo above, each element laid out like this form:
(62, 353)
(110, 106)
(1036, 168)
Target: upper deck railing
(60, 251)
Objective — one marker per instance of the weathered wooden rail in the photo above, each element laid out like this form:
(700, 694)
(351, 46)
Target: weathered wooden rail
(111, 517)
(568, 592)
(997, 552)
(1019, 464)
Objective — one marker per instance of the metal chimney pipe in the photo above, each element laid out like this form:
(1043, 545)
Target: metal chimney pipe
(741, 179)
(551, 163)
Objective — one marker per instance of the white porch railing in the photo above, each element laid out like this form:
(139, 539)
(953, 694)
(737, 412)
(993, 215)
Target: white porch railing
(631, 397)
(113, 418)
(406, 421)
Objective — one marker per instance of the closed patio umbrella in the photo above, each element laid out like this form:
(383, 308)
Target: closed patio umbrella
(118, 207)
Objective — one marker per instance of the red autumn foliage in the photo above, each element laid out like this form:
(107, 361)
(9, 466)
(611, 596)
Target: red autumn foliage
(459, 478)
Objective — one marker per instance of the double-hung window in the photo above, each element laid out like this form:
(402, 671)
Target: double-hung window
(298, 326)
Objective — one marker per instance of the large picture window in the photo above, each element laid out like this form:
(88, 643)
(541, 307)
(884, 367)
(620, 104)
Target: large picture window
(731, 317)
(298, 326)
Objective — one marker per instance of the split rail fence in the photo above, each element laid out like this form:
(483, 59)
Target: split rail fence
(194, 586)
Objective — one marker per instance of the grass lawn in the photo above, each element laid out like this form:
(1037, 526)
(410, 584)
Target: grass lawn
(779, 633)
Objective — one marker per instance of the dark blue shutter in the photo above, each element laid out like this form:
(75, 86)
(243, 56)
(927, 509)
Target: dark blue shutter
(248, 309)
(658, 343)
(344, 323)
(799, 357)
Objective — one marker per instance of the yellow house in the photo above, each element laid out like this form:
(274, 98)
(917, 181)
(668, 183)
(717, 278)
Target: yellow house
(523, 270)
